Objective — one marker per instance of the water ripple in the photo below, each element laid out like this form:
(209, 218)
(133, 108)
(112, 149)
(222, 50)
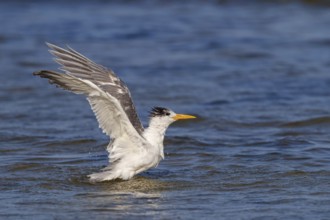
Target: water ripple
(259, 148)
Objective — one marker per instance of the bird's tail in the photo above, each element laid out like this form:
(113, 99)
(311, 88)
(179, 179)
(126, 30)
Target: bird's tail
(102, 176)
(66, 81)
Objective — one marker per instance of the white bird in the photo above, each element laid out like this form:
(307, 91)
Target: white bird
(132, 148)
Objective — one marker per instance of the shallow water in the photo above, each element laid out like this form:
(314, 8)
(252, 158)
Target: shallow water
(256, 75)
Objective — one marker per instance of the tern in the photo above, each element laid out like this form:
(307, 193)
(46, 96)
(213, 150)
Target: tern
(132, 148)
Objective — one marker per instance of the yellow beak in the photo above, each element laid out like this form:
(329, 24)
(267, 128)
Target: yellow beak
(181, 116)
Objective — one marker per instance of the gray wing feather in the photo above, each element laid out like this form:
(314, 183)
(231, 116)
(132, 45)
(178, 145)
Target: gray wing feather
(78, 65)
(108, 111)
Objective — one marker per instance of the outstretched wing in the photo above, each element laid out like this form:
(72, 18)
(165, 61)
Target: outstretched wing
(77, 65)
(109, 112)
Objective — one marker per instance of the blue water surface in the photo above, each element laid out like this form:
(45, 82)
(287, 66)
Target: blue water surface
(256, 74)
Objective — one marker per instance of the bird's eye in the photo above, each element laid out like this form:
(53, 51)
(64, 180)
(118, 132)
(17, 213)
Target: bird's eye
(167, 113)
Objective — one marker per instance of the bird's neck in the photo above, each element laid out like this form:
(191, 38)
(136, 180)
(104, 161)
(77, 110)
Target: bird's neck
(155, 135)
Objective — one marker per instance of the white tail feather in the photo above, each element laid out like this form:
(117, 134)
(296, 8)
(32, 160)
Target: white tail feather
(102, 176)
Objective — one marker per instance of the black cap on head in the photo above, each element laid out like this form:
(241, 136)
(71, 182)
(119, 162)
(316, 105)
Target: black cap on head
(159, 111)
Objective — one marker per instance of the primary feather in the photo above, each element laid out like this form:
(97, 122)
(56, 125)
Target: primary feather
(78, 65)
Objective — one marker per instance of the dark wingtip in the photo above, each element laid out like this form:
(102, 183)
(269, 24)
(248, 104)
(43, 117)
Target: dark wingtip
(36, 73)
(40, 73)
(44, 74)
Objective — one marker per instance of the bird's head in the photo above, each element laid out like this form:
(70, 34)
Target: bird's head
(167, 116)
